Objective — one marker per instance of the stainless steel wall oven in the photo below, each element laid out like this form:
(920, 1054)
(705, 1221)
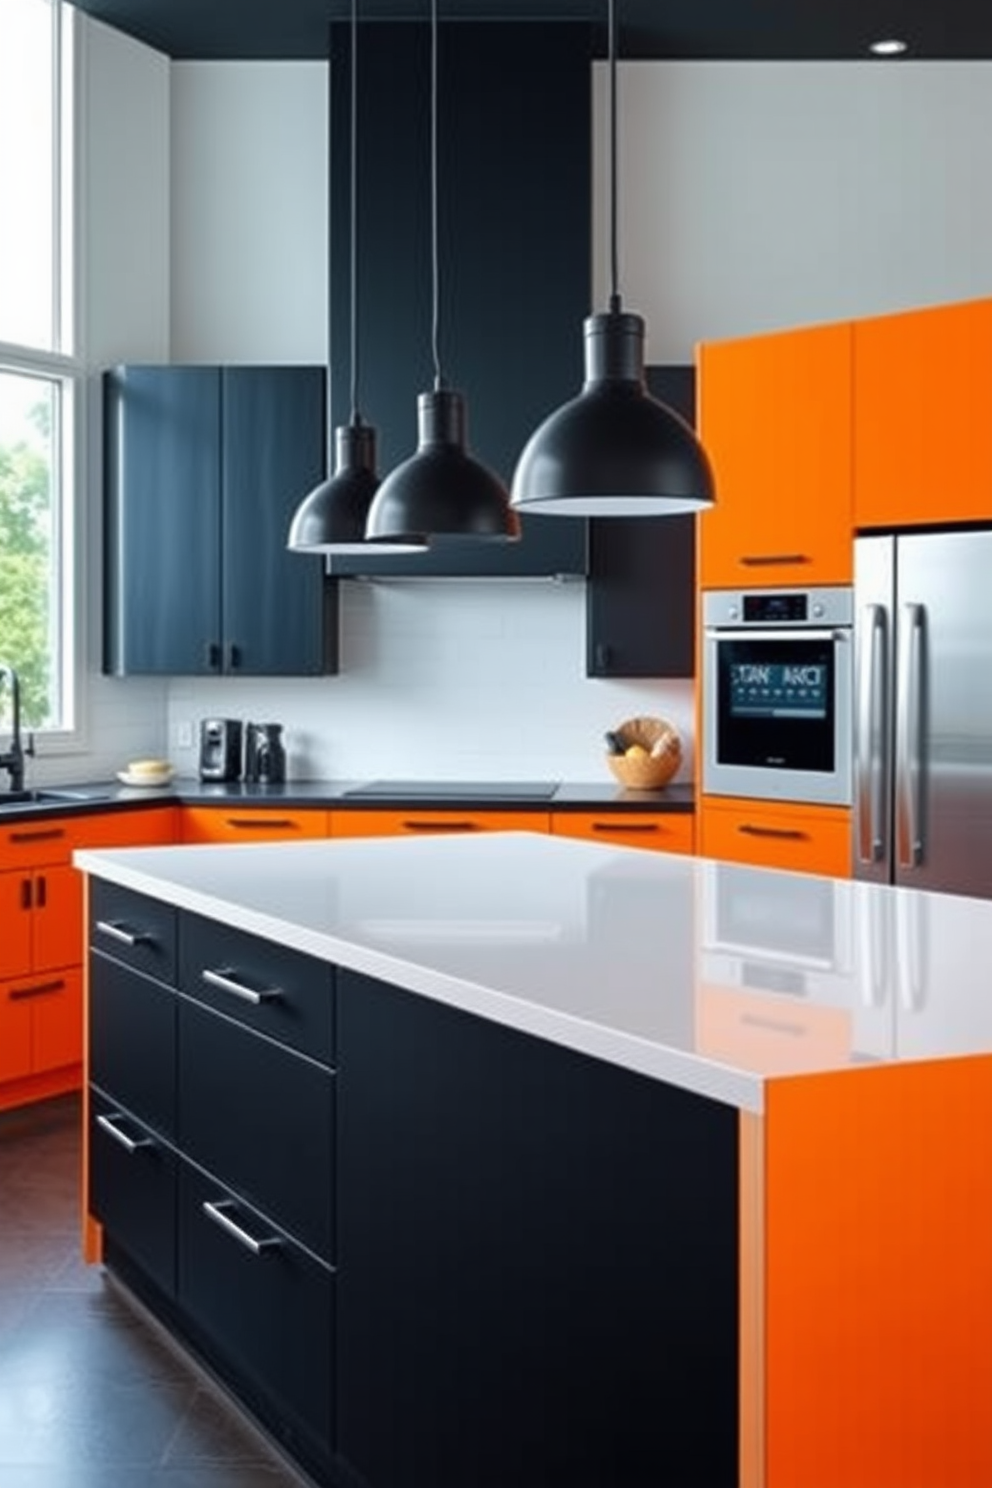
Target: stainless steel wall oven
(777, 701)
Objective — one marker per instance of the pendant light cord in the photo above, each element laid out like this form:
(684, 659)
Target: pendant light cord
(435, 256)
(614, 251)
(356, 417)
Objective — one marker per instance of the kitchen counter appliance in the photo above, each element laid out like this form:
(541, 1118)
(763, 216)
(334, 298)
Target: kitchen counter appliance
(220, 749)
(923, 725)
(265, 754)
(777, 668)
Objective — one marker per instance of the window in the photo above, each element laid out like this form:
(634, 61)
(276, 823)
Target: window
(39, 370)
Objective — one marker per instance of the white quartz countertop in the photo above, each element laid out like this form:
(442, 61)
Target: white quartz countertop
(714, 977)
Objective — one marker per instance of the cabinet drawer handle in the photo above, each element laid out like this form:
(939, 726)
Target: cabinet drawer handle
(42, 834)
(227, 982)
(769, 560)
(625, 827)
(41, 989)
(130, 1144)
(793, 834)
(217, 1210)
(258, 823)
(440, 826)
(126, 937)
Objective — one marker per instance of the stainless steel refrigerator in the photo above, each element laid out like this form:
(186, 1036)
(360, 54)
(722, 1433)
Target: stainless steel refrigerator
(923, 710)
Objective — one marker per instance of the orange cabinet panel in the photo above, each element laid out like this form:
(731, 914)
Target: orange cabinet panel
(15, 1035)
(34, 840)
(15, 920)
(665, 831)
(922, 395)
(57, 917)
(249, 824)
(376, 823)
(57, 1011)
(807, 839)
(150, 826)
(775, 417)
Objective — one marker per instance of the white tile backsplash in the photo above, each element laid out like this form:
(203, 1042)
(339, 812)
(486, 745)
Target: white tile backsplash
(444, 679)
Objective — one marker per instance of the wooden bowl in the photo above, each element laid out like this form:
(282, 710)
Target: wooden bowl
(652, 770)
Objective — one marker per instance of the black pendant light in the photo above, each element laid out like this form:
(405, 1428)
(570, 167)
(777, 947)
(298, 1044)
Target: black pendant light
(613, 451)
(331, 518)
(440, 491)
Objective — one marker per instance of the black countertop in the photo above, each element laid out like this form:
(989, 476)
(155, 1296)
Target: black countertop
(330, 794)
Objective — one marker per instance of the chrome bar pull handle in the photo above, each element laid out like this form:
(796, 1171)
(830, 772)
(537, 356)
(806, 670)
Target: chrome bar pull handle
(118, 932)
(872, 705)
(219, 1211)
(226, 981)
(909, 733)
(130, 1144)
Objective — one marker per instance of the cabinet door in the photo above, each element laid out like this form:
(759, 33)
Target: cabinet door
(132, 1188)
(58, 917)
(922, 394)
(132, 1035)
(775, 418)
(16, 893)
(234, 824)
(15, 1035)
(162, 520)
(805, 839)
(57, 1028)
(273, 452)
(665, 831)
(641, 593)
(381, 823)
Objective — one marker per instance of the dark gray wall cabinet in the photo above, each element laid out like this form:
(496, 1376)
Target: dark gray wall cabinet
(204, 467)
(640, 599)
(514, 223)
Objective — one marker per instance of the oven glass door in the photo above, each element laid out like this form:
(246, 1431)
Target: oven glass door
(776, 701)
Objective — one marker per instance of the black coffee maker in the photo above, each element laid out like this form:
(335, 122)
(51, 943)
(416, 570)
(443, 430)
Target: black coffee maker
(265, 756)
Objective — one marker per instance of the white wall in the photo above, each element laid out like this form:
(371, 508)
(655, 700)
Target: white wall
(756, 196)
(123, 211)
(753, 196)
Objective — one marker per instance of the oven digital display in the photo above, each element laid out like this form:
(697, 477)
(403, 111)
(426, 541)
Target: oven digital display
(775, 609)
(774, 689)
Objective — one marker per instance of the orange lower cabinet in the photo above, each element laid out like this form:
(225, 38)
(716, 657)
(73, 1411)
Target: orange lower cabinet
(57, 1019)
(805, 839)
(250, 824)
(664, 831)
(41, 1036)
(149, 826)
(866, 1355)
(15, 918)
(15, 1035)
(376, 823)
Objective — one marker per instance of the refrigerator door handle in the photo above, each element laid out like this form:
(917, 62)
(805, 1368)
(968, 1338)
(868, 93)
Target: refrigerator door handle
(909, 733)
(872, 703)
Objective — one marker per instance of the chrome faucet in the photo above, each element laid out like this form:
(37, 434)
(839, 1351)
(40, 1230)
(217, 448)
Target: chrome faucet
(13, 760)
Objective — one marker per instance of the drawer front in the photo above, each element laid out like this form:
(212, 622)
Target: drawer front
(133, 1188)
(133, 1041)
(282, 993)
(262, 1119)
(29, 842)
(148, 826)
(57, 1033)
(134, 929)
(381, 823)
(664, 831)
(269, 1310)
(249, 824)
(815, 840)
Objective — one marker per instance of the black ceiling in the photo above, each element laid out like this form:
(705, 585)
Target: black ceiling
(772, 30)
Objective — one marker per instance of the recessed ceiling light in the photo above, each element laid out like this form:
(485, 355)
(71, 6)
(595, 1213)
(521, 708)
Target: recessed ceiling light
(890, 48)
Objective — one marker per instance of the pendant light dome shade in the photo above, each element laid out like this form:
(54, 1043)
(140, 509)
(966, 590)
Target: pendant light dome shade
(331, 517)
(440, 490)
(614, 450)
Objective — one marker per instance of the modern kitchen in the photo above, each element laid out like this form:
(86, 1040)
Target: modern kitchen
(508, 1009)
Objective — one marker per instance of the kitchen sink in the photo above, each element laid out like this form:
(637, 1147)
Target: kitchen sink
(48, 797)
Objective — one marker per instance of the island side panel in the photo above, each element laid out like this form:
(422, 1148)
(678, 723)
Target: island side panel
(879, 1277)
(537, 1261)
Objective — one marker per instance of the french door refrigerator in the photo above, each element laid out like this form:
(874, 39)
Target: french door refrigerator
(923, 710)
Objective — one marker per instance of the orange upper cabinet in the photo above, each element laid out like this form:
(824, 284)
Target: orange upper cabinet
(922, 407)
(775, 418)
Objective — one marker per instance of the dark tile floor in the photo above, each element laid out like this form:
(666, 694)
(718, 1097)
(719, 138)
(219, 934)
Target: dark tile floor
(93, 1395)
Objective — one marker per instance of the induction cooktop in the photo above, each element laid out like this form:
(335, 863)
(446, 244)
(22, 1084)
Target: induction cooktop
(456, 790)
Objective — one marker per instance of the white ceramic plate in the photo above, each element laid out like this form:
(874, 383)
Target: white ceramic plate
(128, 779)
